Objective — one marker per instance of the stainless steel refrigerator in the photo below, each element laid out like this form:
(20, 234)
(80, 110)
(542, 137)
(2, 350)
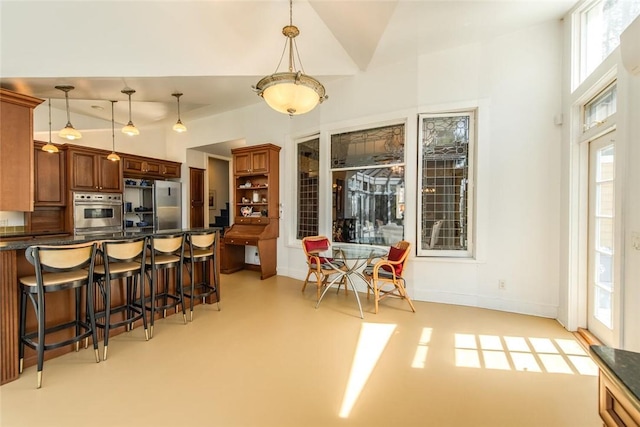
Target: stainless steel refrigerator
(167, 205)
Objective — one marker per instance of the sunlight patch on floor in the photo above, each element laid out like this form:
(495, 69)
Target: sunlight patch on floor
(533, 354)
(373, 339)
(420, 358)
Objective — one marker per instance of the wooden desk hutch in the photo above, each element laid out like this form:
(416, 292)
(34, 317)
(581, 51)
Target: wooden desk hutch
(256, 207)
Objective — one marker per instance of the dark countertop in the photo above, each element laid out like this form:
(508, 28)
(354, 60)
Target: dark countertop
(623, 366)
(43, 239)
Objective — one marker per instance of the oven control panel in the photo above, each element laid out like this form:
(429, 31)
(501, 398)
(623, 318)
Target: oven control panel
(110, 198)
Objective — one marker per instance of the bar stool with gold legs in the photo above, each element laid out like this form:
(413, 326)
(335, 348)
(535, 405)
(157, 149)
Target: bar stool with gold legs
(58, 268)
(167, 252)
(122, 259)
(202, 249)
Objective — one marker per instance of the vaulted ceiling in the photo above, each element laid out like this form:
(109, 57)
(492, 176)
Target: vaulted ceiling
(214, 51)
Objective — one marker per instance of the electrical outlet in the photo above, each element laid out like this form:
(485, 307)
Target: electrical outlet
(502, 284)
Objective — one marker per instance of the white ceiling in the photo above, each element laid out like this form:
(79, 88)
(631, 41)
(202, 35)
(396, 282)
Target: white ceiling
(214, 51)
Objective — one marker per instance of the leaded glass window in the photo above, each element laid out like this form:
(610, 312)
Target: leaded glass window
(368, 185)
(445, 207)
(308, 201)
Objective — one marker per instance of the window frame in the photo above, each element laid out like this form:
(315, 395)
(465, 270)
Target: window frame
(297, 143)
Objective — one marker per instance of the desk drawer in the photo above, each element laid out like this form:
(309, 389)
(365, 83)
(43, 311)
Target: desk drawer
(240, 241)
(256, 220)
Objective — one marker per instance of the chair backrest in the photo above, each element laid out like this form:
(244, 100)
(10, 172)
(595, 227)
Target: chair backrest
(398, 253)
(203, 239)
(167, 244)
(60, 258)
(435, 233)
(123, 250)
(315, 243)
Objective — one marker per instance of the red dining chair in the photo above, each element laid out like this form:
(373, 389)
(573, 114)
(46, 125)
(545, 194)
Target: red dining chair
(322, 267)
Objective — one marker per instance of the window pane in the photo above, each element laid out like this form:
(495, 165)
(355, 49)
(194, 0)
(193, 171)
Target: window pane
(602, 24)
(600, 108)
(308, 201)
(368, 205)
(444, 170)
(369, 147)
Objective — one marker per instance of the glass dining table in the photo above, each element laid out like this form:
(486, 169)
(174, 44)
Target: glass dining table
(347, 259)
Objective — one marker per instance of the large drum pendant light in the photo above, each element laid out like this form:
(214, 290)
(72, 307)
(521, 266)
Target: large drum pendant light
(291, 92)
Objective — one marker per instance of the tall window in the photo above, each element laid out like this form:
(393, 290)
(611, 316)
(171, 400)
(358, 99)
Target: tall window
(600, 23)
(445, 202)
(308, 166)
(368, 185)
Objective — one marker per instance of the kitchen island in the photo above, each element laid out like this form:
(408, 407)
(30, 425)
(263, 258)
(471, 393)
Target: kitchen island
(13, 265)
(619, 385)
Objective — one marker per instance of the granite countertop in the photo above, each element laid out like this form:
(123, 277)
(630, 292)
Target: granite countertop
(43, 239)
(623, 365)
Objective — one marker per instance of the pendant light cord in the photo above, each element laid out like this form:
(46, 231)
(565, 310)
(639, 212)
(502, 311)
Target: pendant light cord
(66, 97)
(49, 120)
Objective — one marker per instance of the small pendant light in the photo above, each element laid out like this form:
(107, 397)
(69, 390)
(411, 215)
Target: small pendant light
(130, 128)
(179, 127)
(113, 156)
(49, 147)
(69, 132)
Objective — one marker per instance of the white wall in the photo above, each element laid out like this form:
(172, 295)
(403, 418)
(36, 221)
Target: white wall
(515, 81)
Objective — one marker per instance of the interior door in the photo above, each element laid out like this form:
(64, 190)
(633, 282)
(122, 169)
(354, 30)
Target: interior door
(603, 290)
(196, 195)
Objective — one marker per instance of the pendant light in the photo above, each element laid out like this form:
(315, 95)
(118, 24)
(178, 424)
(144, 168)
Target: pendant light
(113, 156)
(130, 128)
(49, 147)
(291, 92)
(178, 127)
(69, 132)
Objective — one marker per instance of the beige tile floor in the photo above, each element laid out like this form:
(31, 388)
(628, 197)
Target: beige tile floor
(269, 358)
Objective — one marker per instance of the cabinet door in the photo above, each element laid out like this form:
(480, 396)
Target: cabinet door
(132, 165)
(151, 168)
(110, 176)
(170, 170)
(49, 175)
(260, 161)
(83, 171)
(242, 163)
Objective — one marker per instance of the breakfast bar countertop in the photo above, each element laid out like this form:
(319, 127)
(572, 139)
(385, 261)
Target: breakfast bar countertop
(12, 245)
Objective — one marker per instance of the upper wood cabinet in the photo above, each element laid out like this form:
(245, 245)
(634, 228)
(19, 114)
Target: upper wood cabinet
(16, 151)
(137, 166)
(90, 170)
(251, 162)
(49, 176)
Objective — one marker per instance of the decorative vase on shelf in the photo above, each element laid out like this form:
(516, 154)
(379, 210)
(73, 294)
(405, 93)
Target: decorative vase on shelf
(256, 197)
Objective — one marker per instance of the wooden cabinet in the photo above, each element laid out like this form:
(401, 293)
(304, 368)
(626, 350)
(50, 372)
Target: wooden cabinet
(16, 151)
(255, 206)
(49, 176)
(90, 170)
(251, 162)
(137, 166)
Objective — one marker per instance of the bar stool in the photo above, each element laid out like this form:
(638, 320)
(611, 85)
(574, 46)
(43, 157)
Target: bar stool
(123, 259)
(167, 252)
(57, 268)
(202, 249)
